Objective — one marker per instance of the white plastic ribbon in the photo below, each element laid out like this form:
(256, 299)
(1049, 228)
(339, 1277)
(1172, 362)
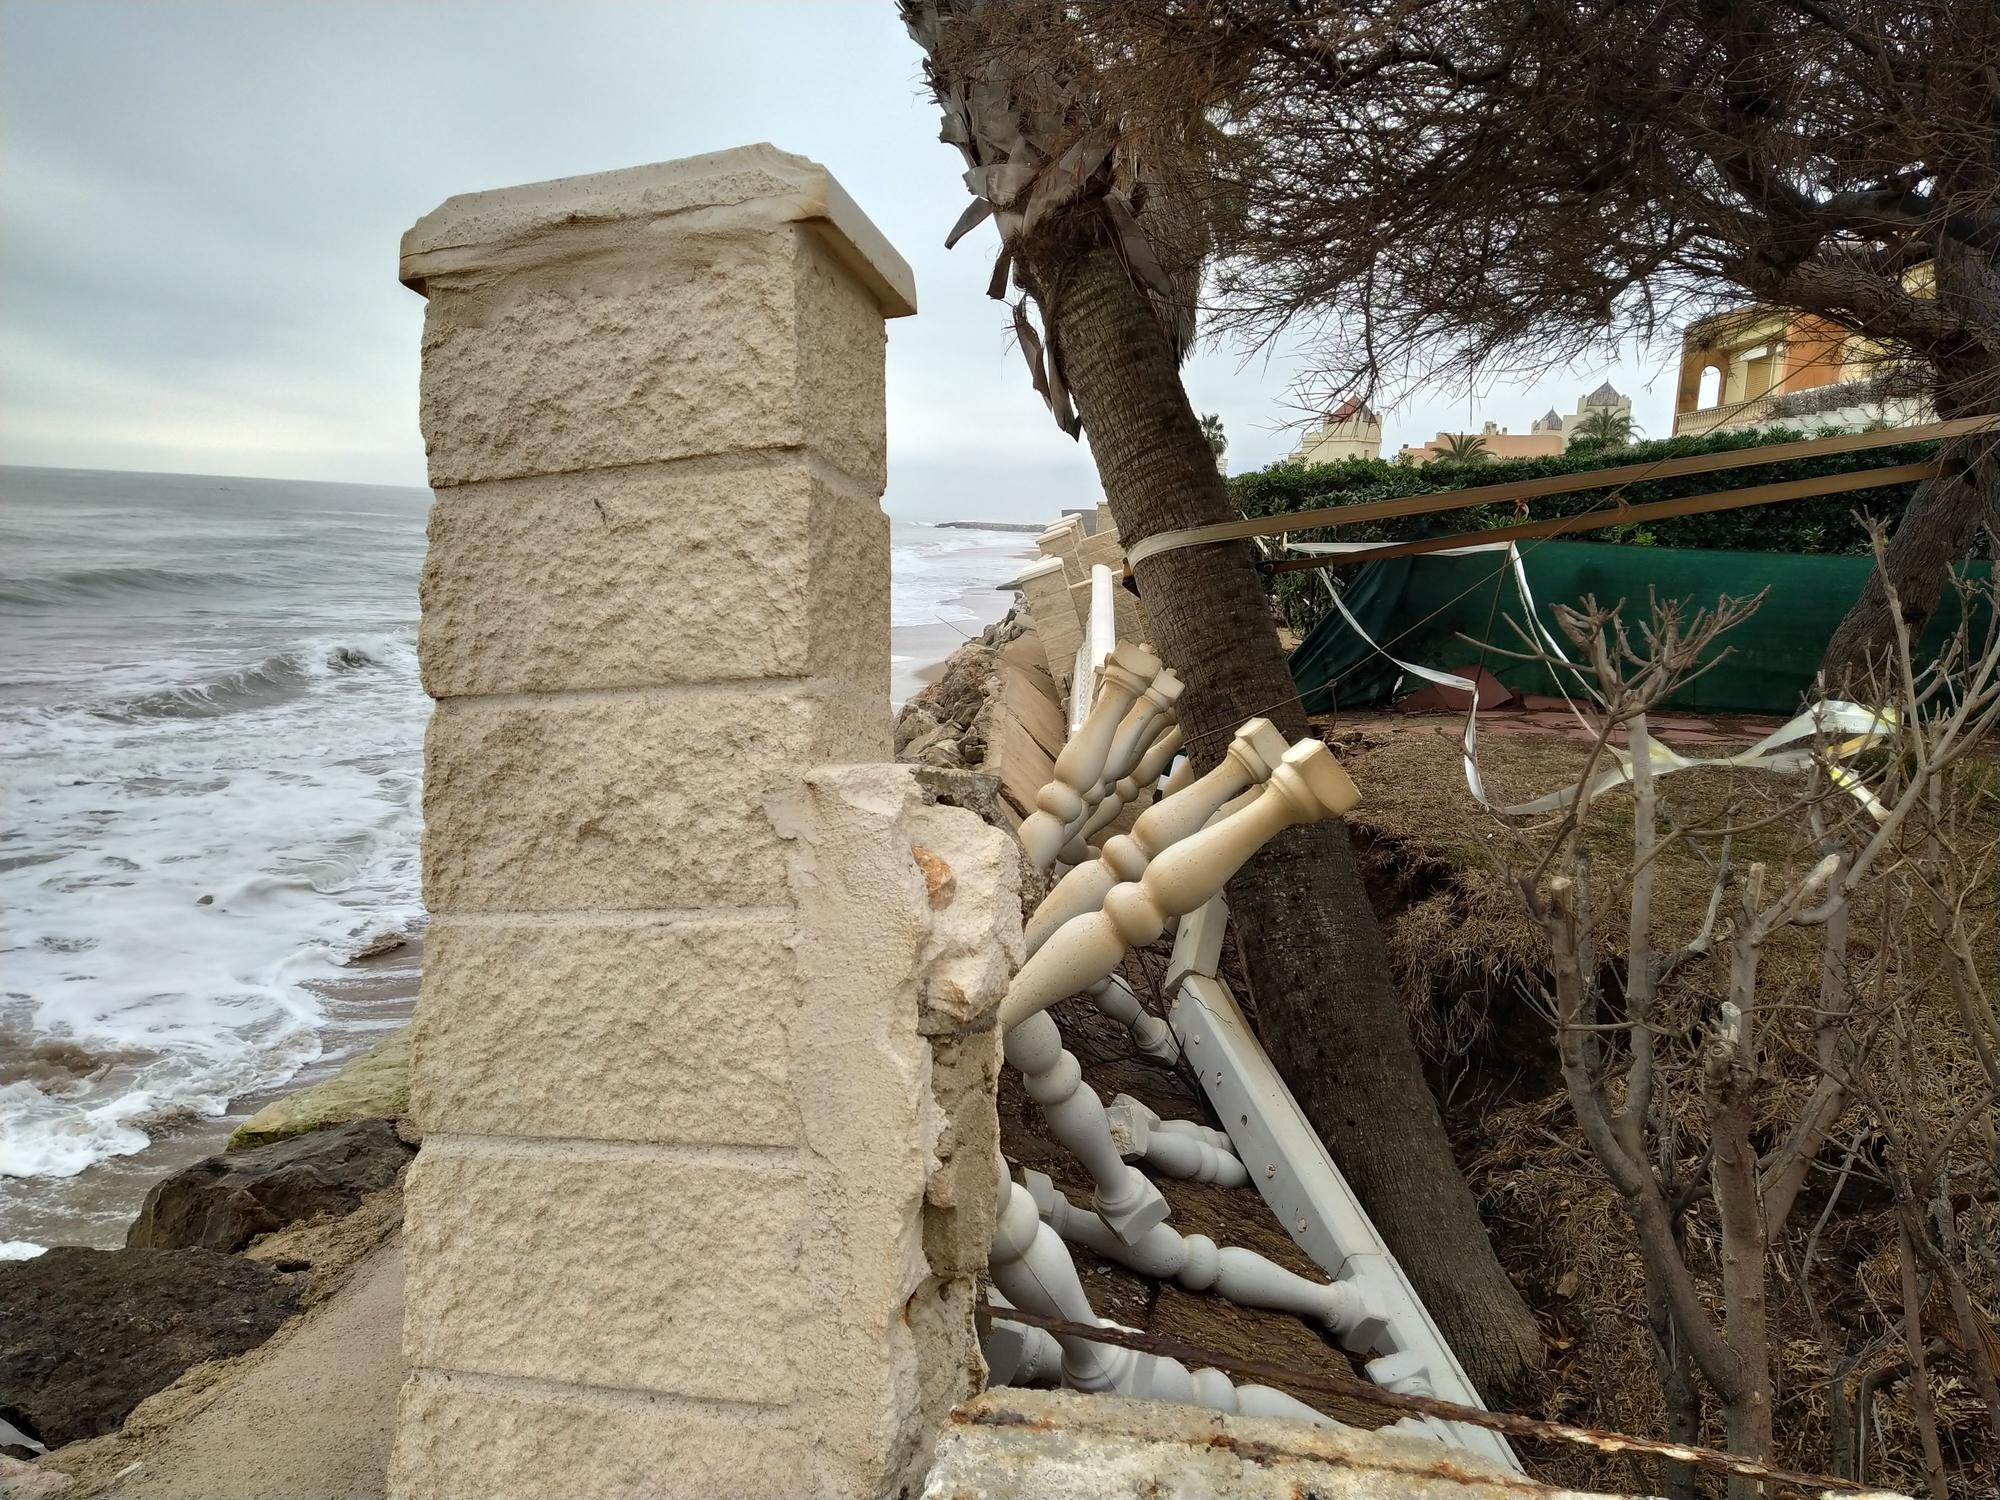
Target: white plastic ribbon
(1777, 752)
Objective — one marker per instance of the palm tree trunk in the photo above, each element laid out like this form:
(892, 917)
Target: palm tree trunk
(1326, 1001)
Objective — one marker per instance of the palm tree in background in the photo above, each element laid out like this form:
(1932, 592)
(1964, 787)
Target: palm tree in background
(1465, 448)
(1218, 444)
(1604, 427)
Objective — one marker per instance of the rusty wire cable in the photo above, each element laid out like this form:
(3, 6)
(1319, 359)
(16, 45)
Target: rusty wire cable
(1508, 1424)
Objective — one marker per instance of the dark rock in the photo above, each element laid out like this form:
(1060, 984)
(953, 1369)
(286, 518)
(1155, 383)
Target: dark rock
(1009, 627)
(970, 679)
(224, 1202)
(977, 792)
(18, 1453)
(86, 1335)
(944, 753)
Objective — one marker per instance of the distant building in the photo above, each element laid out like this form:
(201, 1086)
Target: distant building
(1497, 441)
(1605, 398)
(1547, 435)
(1757, 366)
(1350, 430)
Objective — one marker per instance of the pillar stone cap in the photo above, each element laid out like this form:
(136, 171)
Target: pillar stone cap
(748, 186)
(1041, 569)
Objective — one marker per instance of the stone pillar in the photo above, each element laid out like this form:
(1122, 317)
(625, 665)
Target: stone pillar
(685, 1219)
(1058, 627)
(1064, 539)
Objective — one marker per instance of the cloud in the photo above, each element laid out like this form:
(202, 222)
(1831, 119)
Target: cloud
(203, 202)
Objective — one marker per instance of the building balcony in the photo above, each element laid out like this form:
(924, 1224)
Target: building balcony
(1884, 400)
(1696, 421)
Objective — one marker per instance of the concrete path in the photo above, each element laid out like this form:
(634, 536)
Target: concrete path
(313, 1419)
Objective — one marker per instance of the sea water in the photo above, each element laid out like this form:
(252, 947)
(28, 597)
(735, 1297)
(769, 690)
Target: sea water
(211, 755)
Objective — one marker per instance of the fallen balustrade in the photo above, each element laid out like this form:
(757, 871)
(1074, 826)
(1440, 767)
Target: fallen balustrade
(1130, 743)
(1065, 800)
(1305, 786)
(1141, 1135)
(1032, 1269)
(1128, 789)
(1151, 1036)
(1290, 1167)
(1252, 756)
(1173, 864)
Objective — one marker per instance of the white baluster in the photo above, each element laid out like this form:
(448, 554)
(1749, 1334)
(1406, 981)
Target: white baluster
(1151, 1036)
(1188, 1158)
(1128, 745)
(1060, 803)
(1137, 728)
(1126, 1198)
(1017, 1354)
(1033, 1270)
(1216, 1138)
(1253, 754)
(1198, 1264)
(1307, 785)
(1129, 789)
(1406, 1372)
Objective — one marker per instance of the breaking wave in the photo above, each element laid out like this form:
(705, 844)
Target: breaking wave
(83, 585)
(277, 678)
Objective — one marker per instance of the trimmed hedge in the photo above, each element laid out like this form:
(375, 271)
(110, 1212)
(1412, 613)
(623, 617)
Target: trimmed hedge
(1828, 525)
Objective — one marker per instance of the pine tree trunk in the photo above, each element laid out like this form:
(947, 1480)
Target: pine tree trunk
(1326, 1000)
(1942, 525)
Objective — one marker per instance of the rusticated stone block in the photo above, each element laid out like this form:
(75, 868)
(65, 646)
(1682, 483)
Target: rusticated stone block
(616, 1030)
(696, 572)
(638, 1268)
(625, 801)
(636, 349)
(467, 1440)
(1101, 547)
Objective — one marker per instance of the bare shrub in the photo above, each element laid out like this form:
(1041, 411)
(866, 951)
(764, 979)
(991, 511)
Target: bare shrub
(1732, 1098)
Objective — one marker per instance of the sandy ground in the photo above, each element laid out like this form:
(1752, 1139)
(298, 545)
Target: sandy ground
(310, 1413)
(314, 1418)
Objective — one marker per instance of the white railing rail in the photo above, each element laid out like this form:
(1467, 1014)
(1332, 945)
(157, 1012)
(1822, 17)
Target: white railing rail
(1100, 635)
(1289, 1165)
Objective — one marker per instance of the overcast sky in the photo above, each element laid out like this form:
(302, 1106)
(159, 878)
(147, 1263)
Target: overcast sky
(200, 206)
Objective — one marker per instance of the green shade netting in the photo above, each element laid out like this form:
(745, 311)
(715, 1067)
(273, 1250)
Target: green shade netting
(1418, 608)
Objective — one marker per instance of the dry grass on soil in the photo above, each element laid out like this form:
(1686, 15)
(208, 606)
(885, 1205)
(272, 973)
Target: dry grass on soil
(1470, 963)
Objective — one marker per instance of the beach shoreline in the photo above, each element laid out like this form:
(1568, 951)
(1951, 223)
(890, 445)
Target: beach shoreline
(949, 590)
(918, 653)
(371, 998)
